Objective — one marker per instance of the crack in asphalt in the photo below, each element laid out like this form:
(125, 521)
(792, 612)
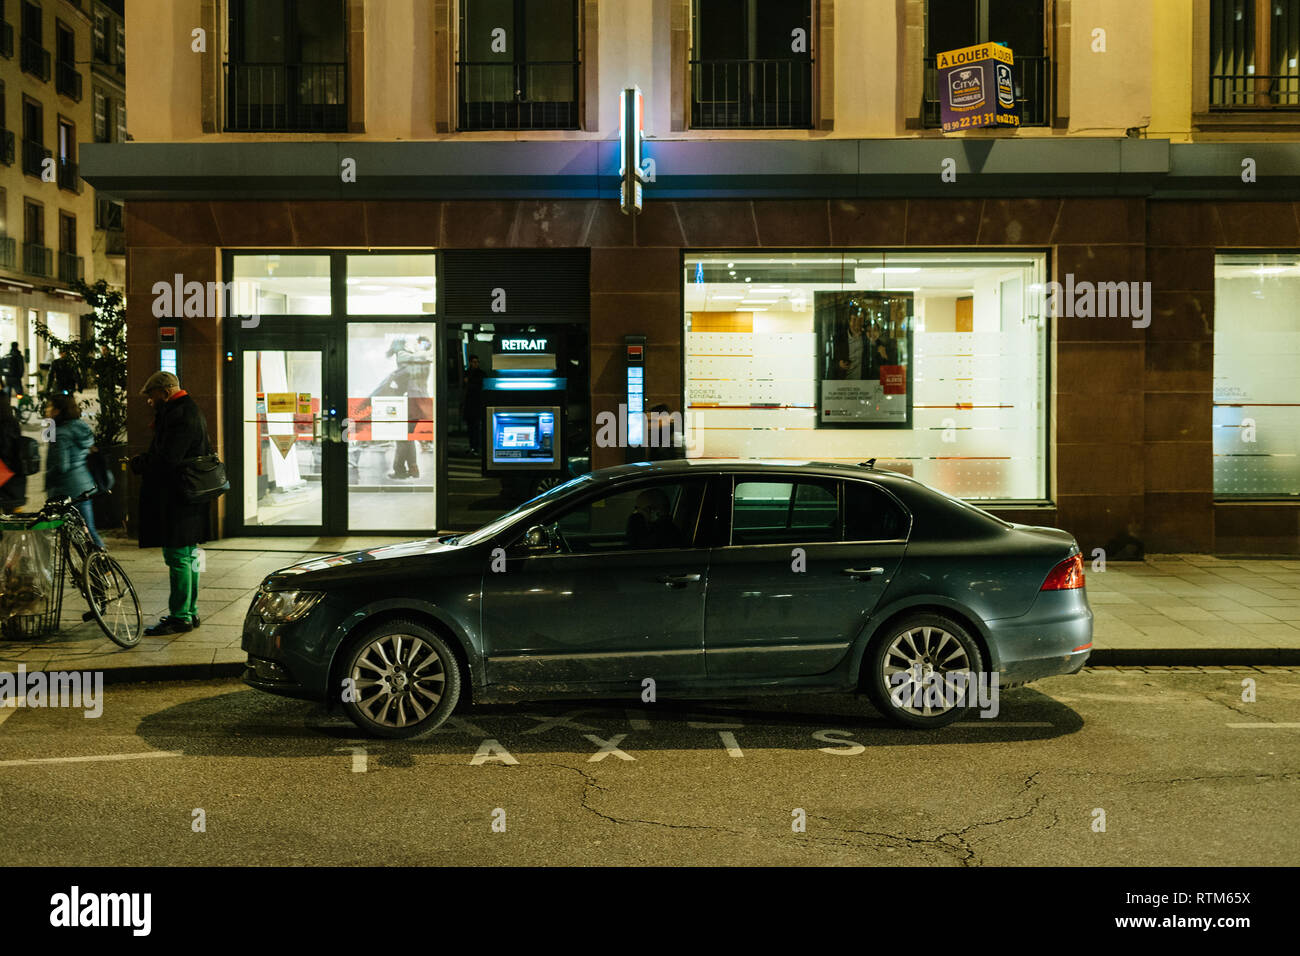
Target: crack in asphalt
(589, 784)
(1284, 775)
(1235, 709)
(952, 842)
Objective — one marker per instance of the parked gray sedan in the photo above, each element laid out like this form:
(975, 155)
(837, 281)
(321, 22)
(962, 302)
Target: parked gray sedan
(684, 579)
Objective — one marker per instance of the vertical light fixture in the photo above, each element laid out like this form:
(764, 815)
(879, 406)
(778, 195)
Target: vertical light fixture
(631, 133)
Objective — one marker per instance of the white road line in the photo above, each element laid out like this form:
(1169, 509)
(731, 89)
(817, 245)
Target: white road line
(139, 756)
(1268, 725)
(1003, 723)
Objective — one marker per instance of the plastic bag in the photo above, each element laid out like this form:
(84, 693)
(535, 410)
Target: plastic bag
(27, 577)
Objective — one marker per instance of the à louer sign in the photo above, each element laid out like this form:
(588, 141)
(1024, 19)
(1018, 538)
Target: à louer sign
(977, 88)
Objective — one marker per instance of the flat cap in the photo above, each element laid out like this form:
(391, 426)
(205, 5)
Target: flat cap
(160, 380)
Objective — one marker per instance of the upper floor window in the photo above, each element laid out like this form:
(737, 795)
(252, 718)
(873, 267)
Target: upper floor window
(101, 116)
(1020, 25)
(752, 64)
(67, 80)
(35, 59)
(518, 66)
(288, 66)
(1254, 60)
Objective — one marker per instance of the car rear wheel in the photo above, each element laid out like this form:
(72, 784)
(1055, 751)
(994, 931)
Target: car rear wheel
(403, 680)
(922, 671)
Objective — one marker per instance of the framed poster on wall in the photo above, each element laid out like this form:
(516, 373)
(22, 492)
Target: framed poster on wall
(864, 359)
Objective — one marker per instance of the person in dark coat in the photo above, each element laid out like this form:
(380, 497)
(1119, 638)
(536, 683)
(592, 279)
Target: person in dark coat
(64, 379)
(166, 519)
(13, 493)
(15, 367)
(471, 403)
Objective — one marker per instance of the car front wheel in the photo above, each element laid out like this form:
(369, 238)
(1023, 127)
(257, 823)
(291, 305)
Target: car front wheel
(402, 680)
(923, 671)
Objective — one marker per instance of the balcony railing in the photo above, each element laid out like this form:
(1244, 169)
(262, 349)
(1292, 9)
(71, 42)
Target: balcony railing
(8, 252)
(69, 176)
(6, 40)
(67, 81)
(533, 95)
(1033, 82)
(34, 156)
(37, 260)
(293, 97)
(752, 94)
(1240, 91)
(35, 59)
(7, 147)
(71, 268)
(114, 242)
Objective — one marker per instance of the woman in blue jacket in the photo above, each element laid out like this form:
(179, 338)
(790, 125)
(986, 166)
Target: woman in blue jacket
(66, 474)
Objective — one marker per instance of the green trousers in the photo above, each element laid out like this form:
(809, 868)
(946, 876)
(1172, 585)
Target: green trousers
(183, 575)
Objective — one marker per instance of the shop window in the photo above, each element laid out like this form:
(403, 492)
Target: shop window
(1020, 25)
(1256, 354)
(280, 285)
(1254, 60)
(933, 363)
(392, 285)
(288, 66)
(752, 64)
(518, 66)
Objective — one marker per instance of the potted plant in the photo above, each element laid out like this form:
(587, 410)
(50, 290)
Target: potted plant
(100, 357)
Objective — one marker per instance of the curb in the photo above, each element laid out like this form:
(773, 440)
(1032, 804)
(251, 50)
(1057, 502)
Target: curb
(1119, 657)
(1196, 657)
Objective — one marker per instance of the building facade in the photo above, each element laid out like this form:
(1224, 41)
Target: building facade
(383, 244)
(47, 214)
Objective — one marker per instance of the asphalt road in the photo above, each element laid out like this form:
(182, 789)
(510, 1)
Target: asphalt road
(1185, 772)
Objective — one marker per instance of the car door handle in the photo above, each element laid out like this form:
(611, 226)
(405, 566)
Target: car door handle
(677, 580)
(860, 573)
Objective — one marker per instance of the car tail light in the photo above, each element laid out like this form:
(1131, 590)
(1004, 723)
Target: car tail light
(1066, 575)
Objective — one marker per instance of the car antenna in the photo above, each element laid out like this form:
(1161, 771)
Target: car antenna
(869, 463)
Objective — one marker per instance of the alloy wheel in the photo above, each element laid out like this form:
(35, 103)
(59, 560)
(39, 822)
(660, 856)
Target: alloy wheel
(926, 671)
(399, 680)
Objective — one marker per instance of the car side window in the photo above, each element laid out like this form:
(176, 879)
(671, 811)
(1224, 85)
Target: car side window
(645, 517)
(870, 514)
(785, 512)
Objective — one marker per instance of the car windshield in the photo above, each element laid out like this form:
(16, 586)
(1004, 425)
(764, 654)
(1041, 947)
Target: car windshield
(533, 504)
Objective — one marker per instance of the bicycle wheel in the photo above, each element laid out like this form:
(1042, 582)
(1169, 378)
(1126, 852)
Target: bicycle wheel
(112, 599)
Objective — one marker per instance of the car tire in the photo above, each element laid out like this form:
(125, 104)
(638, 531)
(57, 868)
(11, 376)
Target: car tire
(404, 680)
(927, 648)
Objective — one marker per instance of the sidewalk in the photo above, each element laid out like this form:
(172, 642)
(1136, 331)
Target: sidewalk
(1188, 610)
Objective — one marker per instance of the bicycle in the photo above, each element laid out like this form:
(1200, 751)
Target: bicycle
(103, 583)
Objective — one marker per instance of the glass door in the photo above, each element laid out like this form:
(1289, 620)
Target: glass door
(283, 411)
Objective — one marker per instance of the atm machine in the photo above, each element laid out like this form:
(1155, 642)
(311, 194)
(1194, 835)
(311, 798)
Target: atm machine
(524, 413)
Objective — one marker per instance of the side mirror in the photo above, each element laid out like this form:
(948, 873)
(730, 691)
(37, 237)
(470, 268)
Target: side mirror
(540, 539)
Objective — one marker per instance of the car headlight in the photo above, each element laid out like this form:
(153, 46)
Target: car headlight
(280, 607)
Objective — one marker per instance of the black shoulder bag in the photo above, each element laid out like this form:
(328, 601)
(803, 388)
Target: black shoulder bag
(203, 478)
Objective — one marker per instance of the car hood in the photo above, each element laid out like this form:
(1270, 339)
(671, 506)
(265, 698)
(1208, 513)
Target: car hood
(346, 566)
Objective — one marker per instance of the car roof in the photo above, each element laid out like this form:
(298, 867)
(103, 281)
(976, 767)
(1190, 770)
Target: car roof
(751, 466)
